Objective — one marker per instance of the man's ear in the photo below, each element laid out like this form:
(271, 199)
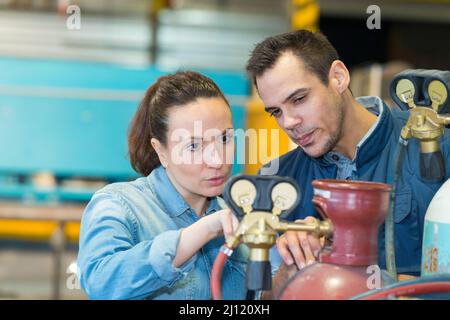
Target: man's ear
(339, 76)
(160, 151)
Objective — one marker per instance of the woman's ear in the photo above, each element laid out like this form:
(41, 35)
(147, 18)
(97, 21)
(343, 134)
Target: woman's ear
(339, 76)
(160, 151)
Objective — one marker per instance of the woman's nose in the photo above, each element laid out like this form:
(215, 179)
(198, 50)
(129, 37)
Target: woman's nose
(213, 157)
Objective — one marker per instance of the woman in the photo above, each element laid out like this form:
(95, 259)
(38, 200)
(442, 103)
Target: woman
(157, 237)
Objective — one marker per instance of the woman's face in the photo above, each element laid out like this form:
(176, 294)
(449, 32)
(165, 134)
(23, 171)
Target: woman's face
(199, 152)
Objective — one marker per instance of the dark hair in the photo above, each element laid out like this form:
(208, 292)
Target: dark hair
(314, 49)
(151, 118)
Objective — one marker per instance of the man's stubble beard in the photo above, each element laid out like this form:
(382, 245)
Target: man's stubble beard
(335, 136)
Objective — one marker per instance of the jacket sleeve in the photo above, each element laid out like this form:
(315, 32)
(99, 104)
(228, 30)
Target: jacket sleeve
(112, 264)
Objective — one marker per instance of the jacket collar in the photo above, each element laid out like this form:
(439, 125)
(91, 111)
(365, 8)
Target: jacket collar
(169, 197)
(377, 140)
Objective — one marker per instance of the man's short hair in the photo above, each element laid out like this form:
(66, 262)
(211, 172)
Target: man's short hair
(313, 49)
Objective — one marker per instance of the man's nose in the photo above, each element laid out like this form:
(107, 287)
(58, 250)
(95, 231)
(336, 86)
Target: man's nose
(291, 121)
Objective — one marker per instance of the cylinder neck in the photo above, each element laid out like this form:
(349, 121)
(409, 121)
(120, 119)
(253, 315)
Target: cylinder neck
(356, 210)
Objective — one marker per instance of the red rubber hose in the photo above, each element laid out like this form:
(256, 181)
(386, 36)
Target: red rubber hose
(216, 273)
(411, 289)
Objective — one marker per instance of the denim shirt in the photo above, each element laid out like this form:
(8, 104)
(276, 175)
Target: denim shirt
(374, 161)
(129, 237)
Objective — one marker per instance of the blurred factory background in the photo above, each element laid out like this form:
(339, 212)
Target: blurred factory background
(67, 96)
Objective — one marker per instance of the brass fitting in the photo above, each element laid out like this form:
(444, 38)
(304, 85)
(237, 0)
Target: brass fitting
(259, 230)
(424, 123)
(316, 227)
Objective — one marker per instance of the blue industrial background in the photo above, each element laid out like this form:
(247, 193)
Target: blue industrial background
(71, 119)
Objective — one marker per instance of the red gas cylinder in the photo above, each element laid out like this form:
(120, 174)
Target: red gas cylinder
(356, 209)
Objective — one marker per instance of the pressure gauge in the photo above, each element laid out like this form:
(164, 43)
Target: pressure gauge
(405, 91)
(243, 193)
(284, 196)
(438, 94)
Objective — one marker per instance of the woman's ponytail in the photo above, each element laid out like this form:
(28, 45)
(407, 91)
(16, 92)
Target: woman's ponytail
(143, 156)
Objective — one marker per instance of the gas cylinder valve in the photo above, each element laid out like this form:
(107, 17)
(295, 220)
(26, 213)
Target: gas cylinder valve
(261, 220)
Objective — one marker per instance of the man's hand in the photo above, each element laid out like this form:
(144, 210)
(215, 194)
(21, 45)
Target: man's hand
(299, 247)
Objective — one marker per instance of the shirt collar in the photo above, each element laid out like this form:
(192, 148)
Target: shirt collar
(379, 134)
(169, 197)
(375, 138)
(376, 106)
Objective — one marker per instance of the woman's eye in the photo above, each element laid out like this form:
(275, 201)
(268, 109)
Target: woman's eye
(226, 138)
(194, 146)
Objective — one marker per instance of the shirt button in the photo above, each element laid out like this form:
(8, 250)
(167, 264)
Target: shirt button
(335, 157)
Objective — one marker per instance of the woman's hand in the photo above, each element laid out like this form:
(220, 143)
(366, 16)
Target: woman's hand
(195, 236)
(222, 222)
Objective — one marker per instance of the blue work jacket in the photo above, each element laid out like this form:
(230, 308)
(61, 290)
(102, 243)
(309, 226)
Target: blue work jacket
(374, 161)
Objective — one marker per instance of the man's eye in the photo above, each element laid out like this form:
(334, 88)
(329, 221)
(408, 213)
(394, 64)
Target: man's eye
(298, 99)
(275, 113)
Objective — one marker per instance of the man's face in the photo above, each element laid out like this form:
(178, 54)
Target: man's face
(310, 112)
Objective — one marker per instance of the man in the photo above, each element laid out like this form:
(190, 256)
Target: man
(305, 86)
